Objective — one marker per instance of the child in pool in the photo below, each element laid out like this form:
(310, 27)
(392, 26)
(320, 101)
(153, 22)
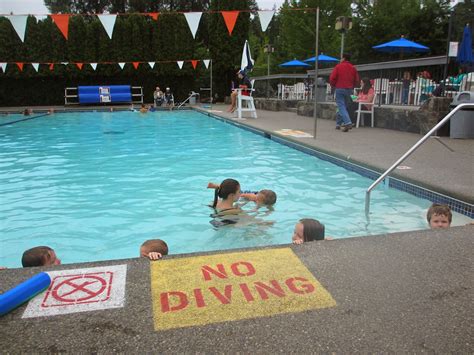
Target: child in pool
(143, 109)
(153, 249)
(439, 216)
(307, 230)
(261, 198)
(40, 256)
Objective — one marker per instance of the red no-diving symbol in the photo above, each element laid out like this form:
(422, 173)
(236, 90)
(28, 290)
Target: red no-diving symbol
(79, 289)
(83, 289)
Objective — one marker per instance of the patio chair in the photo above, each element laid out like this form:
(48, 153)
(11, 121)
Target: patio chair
(281, 89)
(467, 83)
(423, 89)
(381, 88)
(299, 91)
(366, 107)
(245, 103)
(329, 93)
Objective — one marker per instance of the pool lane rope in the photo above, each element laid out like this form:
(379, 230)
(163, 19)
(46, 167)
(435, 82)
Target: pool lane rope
(20, 294)
(23, 119)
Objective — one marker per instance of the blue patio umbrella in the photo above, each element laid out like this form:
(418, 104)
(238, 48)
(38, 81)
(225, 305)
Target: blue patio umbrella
(465, 48)
(401, 45)
(293, 64)
(321, 58)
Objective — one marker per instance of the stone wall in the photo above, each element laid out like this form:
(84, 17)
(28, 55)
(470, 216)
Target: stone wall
(275, 105)
(406, 119)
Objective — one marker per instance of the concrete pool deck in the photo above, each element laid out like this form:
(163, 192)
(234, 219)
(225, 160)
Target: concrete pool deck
(403, 292)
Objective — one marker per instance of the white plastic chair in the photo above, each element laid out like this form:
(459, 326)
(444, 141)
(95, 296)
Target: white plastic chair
(467, 83)
(381, 88)
(299, 91)
(329, 93)
(361, 110)
(423, 87)
(249, 105)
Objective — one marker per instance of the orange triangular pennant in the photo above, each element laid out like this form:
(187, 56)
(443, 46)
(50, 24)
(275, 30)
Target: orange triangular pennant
(51, 66)
(154, 15)
(230, 17)
(136, 64)
(62, 21)
(79, 65)
(20, 65)
(194, 63)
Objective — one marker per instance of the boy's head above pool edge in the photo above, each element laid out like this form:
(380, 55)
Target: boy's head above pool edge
(439, 216)
(153, 246)
(40, 256)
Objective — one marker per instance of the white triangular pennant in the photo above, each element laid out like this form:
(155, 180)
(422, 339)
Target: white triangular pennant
(265, 18)
(19, 24)
(108, 21)
(3, 66)
(206, 63)
(41, 17)
(151, 64)
(94, 66)
(180, 64)
(121, 65)
(193, 19)
(36, 66)
(64, 63)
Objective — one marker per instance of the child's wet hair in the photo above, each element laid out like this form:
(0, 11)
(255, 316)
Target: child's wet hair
(269, 197)
(312, 229)
(227, 187)
(439, 209)
(37, 256)
(156, 246)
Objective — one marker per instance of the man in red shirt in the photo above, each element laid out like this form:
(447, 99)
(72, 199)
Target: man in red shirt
(344, 78)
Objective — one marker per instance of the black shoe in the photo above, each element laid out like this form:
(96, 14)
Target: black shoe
(338, 127)
(346, 127)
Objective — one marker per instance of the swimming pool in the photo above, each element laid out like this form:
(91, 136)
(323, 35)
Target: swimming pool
(95, 185)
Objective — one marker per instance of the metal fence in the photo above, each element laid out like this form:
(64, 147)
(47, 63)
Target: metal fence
(403, 82)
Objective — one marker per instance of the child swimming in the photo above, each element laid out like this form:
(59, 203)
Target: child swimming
(153, 249)
(439, 216)
(307, 230)
(261, 198)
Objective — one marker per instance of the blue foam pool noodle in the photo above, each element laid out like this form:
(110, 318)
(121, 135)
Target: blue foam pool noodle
(23, 292)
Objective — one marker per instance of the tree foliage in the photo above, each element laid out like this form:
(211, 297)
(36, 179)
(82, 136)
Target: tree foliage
(140, 38)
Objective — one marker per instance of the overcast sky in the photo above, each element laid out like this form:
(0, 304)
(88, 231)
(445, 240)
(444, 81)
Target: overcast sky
(36, 7)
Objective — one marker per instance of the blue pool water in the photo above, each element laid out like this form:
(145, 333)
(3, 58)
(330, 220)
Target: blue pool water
(95, 185)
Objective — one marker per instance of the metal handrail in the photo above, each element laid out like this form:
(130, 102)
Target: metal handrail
(410, 151)
(193, 94)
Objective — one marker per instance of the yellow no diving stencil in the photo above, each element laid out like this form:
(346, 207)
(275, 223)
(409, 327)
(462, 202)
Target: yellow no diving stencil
(225, 287)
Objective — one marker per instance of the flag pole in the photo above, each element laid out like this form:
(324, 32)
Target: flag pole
(315, 108)
(212, 98)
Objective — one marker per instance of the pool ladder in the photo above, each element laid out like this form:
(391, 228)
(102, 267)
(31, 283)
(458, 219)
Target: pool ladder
(189, 98)
(410, 151)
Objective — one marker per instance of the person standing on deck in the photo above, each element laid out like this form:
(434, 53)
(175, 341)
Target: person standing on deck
(344, 78)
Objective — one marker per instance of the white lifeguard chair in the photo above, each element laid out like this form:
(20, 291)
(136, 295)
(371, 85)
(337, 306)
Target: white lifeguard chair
(245, 103)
